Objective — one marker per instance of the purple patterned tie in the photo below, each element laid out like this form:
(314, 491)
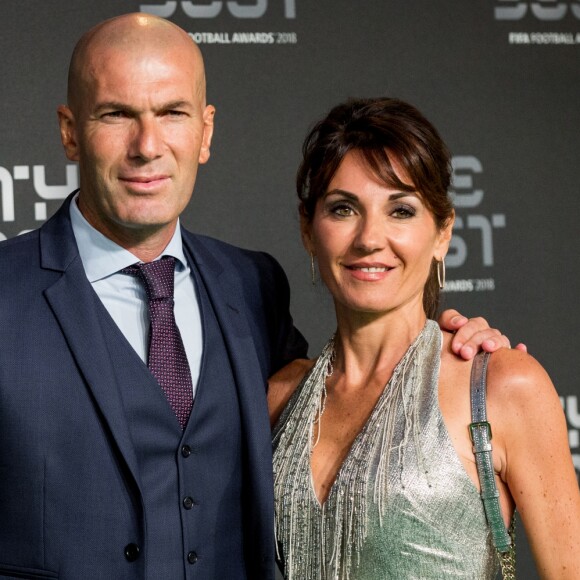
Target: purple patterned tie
(167, 359)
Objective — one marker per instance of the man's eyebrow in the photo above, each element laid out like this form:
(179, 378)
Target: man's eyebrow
(119, 106)
(179, 104)
(113, 106)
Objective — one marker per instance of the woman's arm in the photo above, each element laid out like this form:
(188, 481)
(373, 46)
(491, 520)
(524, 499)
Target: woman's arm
(532, 441)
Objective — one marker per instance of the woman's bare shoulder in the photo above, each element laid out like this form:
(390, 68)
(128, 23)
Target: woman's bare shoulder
(516, 377)
(282, 385)
(522, 396)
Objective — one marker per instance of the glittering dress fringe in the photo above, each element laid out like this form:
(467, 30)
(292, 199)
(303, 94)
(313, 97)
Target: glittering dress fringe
(402, 505)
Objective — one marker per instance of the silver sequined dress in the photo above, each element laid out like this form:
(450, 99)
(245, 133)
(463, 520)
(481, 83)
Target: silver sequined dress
(402, 505)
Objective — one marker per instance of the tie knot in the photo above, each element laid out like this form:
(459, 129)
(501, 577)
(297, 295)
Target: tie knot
(157, 276)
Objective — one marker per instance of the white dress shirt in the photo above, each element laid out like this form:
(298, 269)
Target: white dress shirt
(124, 296)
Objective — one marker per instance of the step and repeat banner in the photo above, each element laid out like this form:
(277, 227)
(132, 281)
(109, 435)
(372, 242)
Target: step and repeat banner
(499, 78)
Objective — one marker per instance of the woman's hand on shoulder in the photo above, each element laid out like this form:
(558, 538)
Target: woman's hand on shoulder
(536, 463)
(282, 385)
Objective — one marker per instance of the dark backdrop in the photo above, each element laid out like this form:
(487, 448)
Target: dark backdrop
(499, 78)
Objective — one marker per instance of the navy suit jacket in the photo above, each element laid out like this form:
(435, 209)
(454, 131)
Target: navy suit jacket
(70, 497)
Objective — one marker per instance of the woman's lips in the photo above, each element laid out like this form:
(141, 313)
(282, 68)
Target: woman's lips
(368, 272)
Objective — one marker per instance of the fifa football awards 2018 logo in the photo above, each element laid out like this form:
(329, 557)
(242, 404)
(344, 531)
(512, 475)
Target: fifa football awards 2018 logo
(256, 11)
(572, 412)
(473, 232)
(214, 9)
(467, 196)
(540, 14)
(8, 210)
(545, 10)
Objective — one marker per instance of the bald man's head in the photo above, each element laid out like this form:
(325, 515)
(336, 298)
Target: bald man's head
(138, 125)
(130, 33)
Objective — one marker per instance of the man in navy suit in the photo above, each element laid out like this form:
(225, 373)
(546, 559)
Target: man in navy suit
(98, 479)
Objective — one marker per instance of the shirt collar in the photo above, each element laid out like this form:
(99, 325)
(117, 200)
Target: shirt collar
(101, 257)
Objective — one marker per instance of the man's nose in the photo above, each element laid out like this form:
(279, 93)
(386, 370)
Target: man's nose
(147, 142)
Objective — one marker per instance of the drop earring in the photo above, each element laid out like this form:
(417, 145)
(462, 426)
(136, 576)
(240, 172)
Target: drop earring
(441, 273)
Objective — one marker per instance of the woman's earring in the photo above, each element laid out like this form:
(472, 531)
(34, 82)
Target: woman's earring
(312, 269)
(441, 273)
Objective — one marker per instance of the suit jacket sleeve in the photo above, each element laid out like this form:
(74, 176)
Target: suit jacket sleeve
(287, 343)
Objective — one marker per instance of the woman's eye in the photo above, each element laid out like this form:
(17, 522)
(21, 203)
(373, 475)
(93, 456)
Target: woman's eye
(342, 210)
(403, 212)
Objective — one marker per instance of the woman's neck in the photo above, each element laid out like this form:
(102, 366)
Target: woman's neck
(370, 345)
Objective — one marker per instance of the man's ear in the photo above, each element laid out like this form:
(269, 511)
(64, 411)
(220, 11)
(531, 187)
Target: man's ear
(68, 132)
(208, 116)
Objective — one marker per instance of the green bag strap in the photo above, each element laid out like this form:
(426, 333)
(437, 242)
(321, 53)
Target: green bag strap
(480, 433)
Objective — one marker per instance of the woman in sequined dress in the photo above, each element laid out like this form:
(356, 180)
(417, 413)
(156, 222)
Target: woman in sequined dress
(375, 475)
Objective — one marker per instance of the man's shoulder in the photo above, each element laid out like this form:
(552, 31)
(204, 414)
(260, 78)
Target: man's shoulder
(25, 247)
(213, 243)
(258, 274)
(237, 256)
(19, 248)
(19, 266)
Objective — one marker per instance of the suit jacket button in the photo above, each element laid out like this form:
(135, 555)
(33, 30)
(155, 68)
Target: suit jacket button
(187, 503)
(192, 557)
(186, 451)
(131, 552)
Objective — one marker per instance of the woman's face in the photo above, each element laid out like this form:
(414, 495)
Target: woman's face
(374, 244)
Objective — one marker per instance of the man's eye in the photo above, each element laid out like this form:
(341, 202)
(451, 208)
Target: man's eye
(114, 115)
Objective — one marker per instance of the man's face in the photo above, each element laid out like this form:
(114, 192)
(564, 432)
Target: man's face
(139, 129)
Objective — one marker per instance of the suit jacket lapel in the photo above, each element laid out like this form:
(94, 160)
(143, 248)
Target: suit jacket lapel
(80, 316)
(226, 294)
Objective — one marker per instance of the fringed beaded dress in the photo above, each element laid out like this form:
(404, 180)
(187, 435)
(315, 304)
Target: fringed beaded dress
(402, 505)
